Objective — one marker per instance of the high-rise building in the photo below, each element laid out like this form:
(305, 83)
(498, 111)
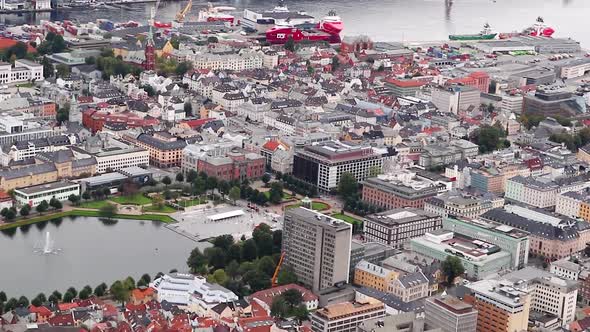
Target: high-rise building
(450, 314)
(403, 322)
(346, 316)
(502, 305)
(323, 164)
(317, 247)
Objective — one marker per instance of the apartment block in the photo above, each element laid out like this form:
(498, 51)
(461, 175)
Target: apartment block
(347, 316)
(323, 164)
(450, 314)
(317, 247)
(165, 150)
(403, 322)
(407, 189)
(396, 227)
(458, 205)
(374, 276)
(116, 158)
(501, 305)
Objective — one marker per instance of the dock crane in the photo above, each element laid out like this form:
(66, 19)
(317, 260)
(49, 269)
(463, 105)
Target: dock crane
(275, 276)
(182, 14)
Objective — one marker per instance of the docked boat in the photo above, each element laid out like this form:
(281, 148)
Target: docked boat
(485, 34)
(328, 29)
(262, 21)
(217, 14)
(537, 29)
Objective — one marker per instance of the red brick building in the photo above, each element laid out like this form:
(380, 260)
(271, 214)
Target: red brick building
(95, 120)
(234, 166)
(479, 80)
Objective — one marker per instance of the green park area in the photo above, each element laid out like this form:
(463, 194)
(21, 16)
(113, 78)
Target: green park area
(348, 219)
(315, 205)
(137, 199)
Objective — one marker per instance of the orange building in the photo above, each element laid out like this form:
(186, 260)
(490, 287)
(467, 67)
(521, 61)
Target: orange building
(165, 150)
(374, 276)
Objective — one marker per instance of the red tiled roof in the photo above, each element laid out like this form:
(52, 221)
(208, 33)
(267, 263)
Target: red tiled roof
(271, 145)
(405, 83)
(197, 122)
(268, 295)
(6, 43)
(41, 311)
(140, 294)
(67, 306)
(62, 320)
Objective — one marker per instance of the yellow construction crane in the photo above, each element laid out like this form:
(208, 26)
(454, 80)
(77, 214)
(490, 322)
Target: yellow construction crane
(181, 14)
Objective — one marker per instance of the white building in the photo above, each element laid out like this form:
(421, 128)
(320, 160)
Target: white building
(242, 61)
(29, 149)
(121, 158)
(541, 192)
(565, 269)
(512, 103)
(569, 203)
(34, 195)
(550, 294)
(191, 291)
(23, 71)
(192, 153)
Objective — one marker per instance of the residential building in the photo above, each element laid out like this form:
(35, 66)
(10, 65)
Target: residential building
(574, 68)
(117, 158)
(265, 297)
(512, 103)
(28, 176)
(550, 235)
(317, 247)
(501, 305)
(396, 227)
(410, 287)
(403, 322)
(450, 314)
(493, 178)
(448, 204)
(323, 164)
(372, 252)
(345, 317)
(28, 149)
(584, 282)
(439, 155)
(95, 120)
(192, 153)
(479, 258)
(566, 269)
(407, 189)
(542, 191)
(550, 294)
(479, 80)
(34, 195)
(191, 291)
(234, 165)
(165, 150)
(372, 275)
(456, 98)
(509, 239)
(237, 62)
(401, 88)
(574, 204)
(549, 102)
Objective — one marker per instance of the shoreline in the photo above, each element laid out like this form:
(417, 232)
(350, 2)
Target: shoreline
(166, 219)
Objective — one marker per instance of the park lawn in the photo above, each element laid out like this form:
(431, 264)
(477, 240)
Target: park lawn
(94, 204)
(164, 209)
(285, 195)
(137, 199)
(318, 206)
(86, 213)
(348, 219)
(192, 202)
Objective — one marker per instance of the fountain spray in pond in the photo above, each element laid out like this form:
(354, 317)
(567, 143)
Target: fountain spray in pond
(48, 246)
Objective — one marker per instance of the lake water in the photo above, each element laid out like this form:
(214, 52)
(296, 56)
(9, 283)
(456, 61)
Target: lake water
(383, 20)
(92, 251)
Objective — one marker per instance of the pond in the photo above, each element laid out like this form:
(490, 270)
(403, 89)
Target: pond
(87, 251)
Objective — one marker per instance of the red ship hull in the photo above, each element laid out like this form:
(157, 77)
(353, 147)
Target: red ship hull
(280, 35)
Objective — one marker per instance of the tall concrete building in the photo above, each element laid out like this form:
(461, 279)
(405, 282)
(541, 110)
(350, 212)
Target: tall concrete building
(317, 247)
(502, 305)
(450, 314)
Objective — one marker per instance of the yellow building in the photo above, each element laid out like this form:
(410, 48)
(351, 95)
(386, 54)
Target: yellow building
(585, 210)
(374, 276)
(584, 153)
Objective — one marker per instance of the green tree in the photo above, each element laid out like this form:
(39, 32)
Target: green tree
(196, 260)
(218, 277)
(216, 257)
(166, 180)
(86, 195)
(279, 307)
(235, 252)
(276, 193)
(11, 304)
(62, 70)
(234, 194)
(249, 250)
(119, 292)
(100, 290)
(256, 280)
(488, 138)
(232, 269)
(57, 295)
(48, 67)
(108, 210)
(3, 297)
(286, 276)
(212, 40)
(267, 265)
(74, 199)
(183, 67)
(300, 312)
(10, 215)
(191, 176)
(129, 283)
(223, 241)
(85, 293)
(188, 111)
(73, 291)
(146, 278)
(25, 210)
(42, 207)
(348, 186)
(180, 177)
(452, 268)
(23, 302)
(266, 179)
(293, 297)
(55, 203)
(335, 63)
